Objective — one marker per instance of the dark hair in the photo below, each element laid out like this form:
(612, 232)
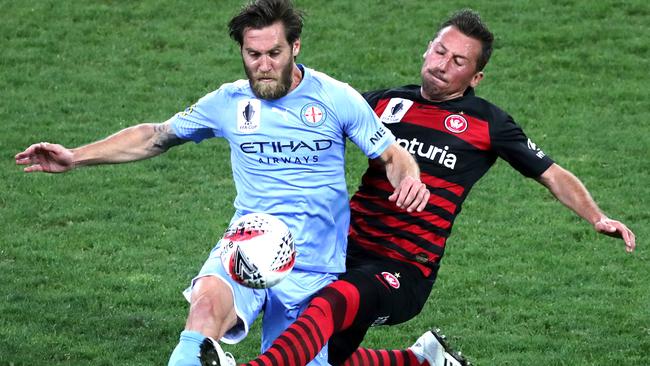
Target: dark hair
(470, 24)
(263, 13)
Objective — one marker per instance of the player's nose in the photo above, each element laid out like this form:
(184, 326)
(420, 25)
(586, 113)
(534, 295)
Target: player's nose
(265, 64)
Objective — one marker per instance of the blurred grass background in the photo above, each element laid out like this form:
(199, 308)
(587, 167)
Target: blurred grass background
(93, 261)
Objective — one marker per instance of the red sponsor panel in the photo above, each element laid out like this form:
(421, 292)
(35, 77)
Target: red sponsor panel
(387, 205)
(434, 199)
(475, 132)
(381, 106)
(386, 252)
(443, 203)
(436, 182)
(396, 224)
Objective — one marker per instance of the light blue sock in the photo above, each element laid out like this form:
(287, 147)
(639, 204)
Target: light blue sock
(187, 351)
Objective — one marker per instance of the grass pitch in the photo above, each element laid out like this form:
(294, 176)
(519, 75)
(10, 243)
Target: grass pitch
(93, 261)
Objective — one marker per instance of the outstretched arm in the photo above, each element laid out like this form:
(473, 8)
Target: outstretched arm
(133, 143)
(404, 175)
(568, 189)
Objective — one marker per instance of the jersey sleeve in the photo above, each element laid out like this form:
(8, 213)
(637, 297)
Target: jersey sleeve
(199, 121)
(363, 126)
(511, 144)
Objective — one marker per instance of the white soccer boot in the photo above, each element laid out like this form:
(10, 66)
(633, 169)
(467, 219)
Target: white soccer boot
(211, 354)
(431, 346)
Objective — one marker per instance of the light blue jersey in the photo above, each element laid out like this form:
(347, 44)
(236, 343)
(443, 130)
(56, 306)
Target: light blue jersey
(287, 156)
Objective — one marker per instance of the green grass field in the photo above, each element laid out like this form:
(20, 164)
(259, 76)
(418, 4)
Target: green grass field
(92, 262)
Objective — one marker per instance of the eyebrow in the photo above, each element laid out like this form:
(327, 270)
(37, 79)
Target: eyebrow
(454, 55)
(277, 47)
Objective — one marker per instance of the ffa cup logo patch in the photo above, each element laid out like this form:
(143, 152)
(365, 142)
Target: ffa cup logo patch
(313, 114)
(391, 279)
(456, 123)
(248, 115)
(395, 110)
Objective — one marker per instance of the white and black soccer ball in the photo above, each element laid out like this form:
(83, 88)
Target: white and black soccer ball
(257, 250)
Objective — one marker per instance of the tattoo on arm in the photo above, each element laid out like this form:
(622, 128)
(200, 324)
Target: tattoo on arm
(164, 138)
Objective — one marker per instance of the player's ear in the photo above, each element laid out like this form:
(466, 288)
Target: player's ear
(476, 79)
(295, 48)
(426, 52)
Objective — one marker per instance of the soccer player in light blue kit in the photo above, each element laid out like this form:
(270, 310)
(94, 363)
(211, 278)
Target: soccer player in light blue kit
(286, 126)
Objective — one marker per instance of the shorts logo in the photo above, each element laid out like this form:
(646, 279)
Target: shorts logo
(391, 279)
(422, 258)
(379, 321)
(248, 115)
(313, 114)
(395, 110)
(456, 123)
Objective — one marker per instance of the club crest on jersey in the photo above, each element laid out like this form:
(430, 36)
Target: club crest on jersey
(456, 123)
(395, 110)
(313, 114)
(391, 279)
(248, 115)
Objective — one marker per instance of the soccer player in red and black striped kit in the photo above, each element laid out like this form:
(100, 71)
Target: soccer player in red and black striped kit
(394, 255)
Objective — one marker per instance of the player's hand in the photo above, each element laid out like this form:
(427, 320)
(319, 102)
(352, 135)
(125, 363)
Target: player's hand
(616, 229)
(411, 195)
(46, 157)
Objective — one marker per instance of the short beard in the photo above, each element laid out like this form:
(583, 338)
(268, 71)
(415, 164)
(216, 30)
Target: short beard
(271, 91)
(430, 92)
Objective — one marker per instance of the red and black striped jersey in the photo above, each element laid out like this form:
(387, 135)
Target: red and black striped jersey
(455, 143)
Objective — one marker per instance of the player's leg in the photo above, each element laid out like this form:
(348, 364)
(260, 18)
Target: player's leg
(344, 344)
(331, 309)
(212, 309)
(211, 314)
(367, 296)
(357, 301)
(219, 308)
(286, 301)
(400, 291)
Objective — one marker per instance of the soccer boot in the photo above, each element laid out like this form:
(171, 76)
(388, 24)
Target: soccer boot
(433, 347)
(211, 354)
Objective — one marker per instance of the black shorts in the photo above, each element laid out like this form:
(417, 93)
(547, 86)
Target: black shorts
(390, 291)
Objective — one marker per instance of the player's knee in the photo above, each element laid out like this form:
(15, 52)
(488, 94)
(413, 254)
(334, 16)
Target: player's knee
(343, 299)
(212, 309)
(340, 292)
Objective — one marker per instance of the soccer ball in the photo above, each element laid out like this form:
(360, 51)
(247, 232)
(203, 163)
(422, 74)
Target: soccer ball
(257, 250)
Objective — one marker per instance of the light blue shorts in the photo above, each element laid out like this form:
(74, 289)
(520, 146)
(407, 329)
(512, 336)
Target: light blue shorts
(281, 303)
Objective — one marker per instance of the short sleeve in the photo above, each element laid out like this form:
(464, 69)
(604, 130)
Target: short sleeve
(511, 144)
(363, 126)
(201, 120)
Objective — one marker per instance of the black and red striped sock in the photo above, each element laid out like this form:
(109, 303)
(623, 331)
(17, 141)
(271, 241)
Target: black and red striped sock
(332, 310)
(372, 357)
